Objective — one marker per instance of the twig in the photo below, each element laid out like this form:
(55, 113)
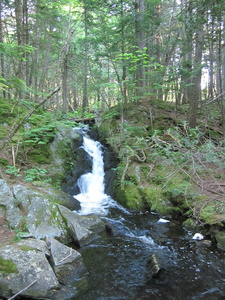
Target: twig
(204, 188)
(27, 287)
(124, 172)
(59, 263)
(13, 156)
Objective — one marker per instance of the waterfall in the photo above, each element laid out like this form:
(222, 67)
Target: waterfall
(92, 197)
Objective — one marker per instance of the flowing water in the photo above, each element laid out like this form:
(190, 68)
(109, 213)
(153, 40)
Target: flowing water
(117, 261)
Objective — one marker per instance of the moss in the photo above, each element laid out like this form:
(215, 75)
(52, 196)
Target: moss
(56, 216)
(191, 224)
(27, 248)
(220, 238)
(130, 196)
(213, 213)
(157, 202)
(7, 266)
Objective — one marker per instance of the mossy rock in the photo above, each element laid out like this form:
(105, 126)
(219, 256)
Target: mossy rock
(26, 248)
(192, 225)
(130, 196)
(7, 266)
(157, 201)
(220, 238)
(213, 213)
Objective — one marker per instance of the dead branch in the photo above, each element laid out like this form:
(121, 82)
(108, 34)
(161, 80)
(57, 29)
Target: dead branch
(27, 287)
(61, 261)
(85, 119)
(17, 125)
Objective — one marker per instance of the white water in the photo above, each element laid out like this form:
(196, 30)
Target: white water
(92, 197)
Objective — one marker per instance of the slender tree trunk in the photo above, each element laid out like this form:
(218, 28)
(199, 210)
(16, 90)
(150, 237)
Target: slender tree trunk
(1, 41)
(124, 69)
(19, 6)
(186, 51)
(140, 42)
(85, 84)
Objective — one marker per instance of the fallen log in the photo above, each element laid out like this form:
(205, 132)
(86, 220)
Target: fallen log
(89, 119)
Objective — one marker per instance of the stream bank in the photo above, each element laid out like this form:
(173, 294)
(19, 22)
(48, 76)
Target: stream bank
(166, 167)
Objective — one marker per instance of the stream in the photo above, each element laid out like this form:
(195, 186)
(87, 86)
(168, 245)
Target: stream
(117, 262)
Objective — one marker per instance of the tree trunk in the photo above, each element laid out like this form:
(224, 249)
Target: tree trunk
(85, 86)
(19, 7)
(140, 43)
(124, 69)
(1, 41)
(195, 96)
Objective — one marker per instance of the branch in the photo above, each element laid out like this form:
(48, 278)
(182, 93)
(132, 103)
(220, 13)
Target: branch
(85, 119)
(16, 126)
(62, 260)
(27, 287)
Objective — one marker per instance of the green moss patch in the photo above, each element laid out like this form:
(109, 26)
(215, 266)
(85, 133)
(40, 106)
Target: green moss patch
(27, 248)
(213, 213)
(220, 238)
(7, 266)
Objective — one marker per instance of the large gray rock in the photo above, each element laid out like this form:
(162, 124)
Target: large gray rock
(34, 244)
(79, 234)
(61, 147)
(44, 220)
(21, 197)
(67, 262)
(13, 214)
(22, 267)
(83, 229)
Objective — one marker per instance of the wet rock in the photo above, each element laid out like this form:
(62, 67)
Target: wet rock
(67, 262)
(206, 243)
(153, 266)
(23, 267)
(192, 225)
(79, 233)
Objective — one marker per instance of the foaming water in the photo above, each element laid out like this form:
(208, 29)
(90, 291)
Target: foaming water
(92, 195)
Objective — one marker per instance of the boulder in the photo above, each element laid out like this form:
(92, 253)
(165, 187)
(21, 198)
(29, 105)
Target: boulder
(22, 267)
(34, 244)
(61, 148)
(90, 222)
(44, 220)
(13, 214)
(67, 262)
(79, 234)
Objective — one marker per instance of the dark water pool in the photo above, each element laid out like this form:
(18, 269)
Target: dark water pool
(117, 263)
